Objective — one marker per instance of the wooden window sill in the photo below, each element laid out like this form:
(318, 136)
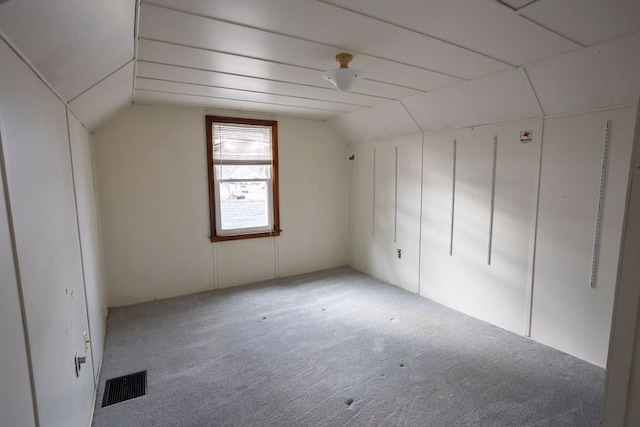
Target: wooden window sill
(274, 233)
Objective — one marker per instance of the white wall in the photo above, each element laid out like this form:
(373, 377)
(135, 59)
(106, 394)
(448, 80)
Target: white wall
(385, 201)
(87, 211)
(464, 280)
(16, 403)
(567, 313)
(538, 281)
(46, 233)
(152, 187)
(622, 385)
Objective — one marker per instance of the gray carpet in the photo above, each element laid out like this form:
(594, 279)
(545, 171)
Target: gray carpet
(335, 348)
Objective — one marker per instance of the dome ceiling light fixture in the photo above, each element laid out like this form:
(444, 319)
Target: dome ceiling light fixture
(344, 77)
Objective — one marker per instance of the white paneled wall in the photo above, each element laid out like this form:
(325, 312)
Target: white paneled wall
(46, 232)
(16, 403)
(539, 235)
(455, 269)
(87, 209)
(622, 384)
(150, 171)
(567, 313)
(386, 194)
(152, 185)
(312, 174)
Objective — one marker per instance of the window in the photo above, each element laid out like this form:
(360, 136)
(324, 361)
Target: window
(242, 157)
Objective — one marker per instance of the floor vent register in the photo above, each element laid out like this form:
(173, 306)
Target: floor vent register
(123, 388)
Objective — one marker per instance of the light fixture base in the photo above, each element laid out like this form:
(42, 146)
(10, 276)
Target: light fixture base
(344, 59)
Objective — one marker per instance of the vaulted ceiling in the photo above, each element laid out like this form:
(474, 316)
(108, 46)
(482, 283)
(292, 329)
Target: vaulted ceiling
(429, 65)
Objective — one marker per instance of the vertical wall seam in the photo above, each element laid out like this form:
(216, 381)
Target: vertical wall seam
(84, 277)
(16, 263)
(214, 262)
(492, 196)
(453, 195)
(373, 227)
(276, 256)
(534, 239)
(395, 201)
(103, 270)
(421, 208)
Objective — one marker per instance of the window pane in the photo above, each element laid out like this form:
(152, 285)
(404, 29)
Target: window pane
(242, 171)
(244, 204)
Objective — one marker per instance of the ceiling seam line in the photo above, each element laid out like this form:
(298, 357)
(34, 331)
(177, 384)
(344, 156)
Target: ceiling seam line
(254, 91)
(257, 78)
(612, 39)
(520, 13)
(503, 4)
(411, 115)
(286, 63)
(112, 116)
(557, 33)
(151, 39)
(103, 79)
(532, 89)
(402, 27)
(38, 74)
(526, 6)
(313, 41)
(243, 100)
(547, 117)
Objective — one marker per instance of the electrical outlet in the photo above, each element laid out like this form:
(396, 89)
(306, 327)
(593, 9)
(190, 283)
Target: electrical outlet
(86, 341)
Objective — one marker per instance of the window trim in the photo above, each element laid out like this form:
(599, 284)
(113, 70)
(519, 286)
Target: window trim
(214, 237)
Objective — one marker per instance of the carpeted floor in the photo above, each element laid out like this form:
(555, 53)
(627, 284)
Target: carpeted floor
(335, 348)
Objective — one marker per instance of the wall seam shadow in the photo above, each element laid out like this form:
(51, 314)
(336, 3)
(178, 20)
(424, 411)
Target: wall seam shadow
(14, 250)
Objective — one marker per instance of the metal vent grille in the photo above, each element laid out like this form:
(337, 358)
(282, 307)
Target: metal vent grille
(124, 388)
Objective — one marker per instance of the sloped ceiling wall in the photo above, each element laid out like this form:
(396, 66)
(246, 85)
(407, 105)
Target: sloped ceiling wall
(602, 71)
(83, 49)
(429, 65)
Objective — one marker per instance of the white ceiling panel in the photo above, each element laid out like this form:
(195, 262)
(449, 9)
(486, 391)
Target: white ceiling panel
(230, 81)
(189, 30)
(240, 95)
(600, 76)
(480, 25)
(587, 21)
(106, 98)
(337, 27)
(453, 63)
(73, 43)
(499, 98)
(150, 97)
(388, 120)
(165, 53)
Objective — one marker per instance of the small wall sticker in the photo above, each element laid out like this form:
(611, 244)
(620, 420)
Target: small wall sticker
(526, 136)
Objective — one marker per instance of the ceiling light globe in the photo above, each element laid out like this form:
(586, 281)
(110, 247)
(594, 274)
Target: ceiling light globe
(343, 78)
